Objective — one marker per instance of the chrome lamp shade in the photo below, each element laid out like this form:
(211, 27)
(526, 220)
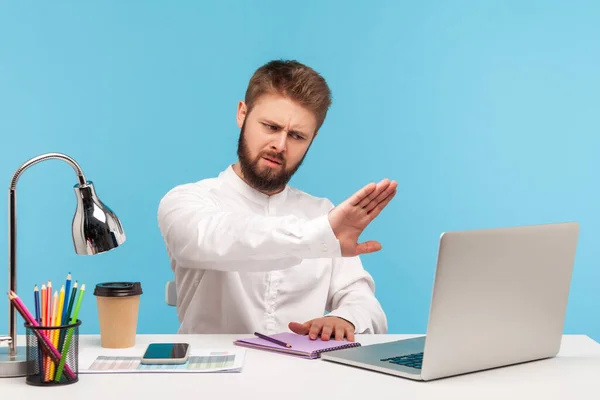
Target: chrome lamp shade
(96, 229)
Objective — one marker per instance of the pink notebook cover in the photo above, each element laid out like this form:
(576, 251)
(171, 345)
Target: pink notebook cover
(302, 345)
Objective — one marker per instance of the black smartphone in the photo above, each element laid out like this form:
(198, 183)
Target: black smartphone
(166, 353)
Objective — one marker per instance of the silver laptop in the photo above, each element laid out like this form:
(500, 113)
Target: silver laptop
(499, 298)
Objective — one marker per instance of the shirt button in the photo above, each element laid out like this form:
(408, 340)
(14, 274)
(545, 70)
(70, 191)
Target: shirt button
(324, 247)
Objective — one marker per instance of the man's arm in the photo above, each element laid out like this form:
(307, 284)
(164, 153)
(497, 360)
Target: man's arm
(198, 233)
(352, 296)
(352, 305)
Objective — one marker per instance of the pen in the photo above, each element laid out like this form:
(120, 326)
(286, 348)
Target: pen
(270, 339)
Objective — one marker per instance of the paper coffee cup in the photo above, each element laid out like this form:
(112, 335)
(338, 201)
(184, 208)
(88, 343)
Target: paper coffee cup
(118, 306)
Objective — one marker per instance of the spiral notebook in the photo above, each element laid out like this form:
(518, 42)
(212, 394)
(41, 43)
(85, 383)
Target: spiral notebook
(302, 345)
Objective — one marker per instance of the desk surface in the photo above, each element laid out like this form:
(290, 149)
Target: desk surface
(574, 373)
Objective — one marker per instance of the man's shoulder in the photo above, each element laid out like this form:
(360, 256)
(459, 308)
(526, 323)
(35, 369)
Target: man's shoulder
(205, 186)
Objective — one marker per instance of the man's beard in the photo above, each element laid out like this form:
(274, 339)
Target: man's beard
(269, 179)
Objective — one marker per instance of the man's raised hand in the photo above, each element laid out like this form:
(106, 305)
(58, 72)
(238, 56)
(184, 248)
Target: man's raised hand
(349, 219)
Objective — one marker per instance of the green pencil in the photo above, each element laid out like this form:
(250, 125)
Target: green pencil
(61, 366)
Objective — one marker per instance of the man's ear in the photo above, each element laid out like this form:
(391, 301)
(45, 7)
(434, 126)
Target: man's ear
(241, 114)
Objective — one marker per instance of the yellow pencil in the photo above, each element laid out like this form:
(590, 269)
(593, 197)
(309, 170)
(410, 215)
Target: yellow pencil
(58, 322)
(52, 368)
(58, 316)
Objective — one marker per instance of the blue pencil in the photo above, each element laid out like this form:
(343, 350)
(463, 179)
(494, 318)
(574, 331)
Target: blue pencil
(36, 297)
(63, 318)
(69, 308)
(38, 318)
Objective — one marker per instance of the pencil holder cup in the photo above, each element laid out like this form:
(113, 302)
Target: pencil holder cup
(52, 354)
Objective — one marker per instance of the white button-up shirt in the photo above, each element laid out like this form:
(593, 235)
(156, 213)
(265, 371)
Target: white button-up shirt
(245, 261)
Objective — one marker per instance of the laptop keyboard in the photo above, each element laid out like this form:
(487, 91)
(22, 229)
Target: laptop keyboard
(408, 360)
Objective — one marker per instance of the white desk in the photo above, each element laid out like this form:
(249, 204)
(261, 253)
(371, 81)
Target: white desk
(574, 373)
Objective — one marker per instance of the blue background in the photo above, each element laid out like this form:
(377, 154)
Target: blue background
(485, 112)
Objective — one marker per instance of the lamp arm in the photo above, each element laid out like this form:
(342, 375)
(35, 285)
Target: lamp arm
(12, 234)
(44, 157)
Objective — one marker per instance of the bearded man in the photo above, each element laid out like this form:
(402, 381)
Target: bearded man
(249, 252)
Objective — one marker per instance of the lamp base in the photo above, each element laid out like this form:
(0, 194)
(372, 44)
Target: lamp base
(13, 367)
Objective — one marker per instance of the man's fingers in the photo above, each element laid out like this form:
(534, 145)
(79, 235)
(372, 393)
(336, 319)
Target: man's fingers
(300, 329)
(370, 246)
(315, 329)
(326, 331)
(361, 194)
(350, 334)
(381, 196)
(327, 328)
(375, 212)
(339, 332)
(381, 187)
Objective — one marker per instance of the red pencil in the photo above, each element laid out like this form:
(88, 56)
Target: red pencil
(48, 304)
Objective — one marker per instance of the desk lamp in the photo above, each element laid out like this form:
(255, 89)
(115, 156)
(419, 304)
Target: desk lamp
(96, 229)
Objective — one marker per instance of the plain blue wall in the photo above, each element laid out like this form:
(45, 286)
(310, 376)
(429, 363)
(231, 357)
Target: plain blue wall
(485, 112)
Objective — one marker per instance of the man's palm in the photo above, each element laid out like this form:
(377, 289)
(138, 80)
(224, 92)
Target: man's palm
(350, 218)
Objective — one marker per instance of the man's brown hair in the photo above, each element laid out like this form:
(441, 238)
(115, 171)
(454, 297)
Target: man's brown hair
(294, 80)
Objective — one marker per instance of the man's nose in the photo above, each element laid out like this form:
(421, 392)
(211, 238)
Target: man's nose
(280, 142)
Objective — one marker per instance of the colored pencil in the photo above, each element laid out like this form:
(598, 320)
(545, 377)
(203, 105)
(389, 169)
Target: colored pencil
(57, 323)
(52, 334)
(38, 318)
(36, 299)
(59, 309)
(52, 311)
(63, 318)
(48, 320)
(48, 303)
(272, 340)
(47, 346)
(69, 309)
(44, 301)
(71, 302)
(70, 334)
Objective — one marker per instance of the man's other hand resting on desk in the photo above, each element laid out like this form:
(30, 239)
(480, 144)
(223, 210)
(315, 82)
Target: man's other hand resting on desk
(251, 253)
(327, 328)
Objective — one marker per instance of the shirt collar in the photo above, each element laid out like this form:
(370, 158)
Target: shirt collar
(239, 185)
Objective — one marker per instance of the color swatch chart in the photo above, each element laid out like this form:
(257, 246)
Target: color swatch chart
(209, 361)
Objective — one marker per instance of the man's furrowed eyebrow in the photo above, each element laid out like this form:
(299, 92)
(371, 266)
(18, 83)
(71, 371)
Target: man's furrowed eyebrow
(278, 126)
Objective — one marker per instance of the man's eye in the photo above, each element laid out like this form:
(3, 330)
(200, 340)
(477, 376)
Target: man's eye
(271, 127)
(296, 136)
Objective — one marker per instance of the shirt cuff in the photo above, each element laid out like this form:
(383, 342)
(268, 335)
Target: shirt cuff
(321, 238)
